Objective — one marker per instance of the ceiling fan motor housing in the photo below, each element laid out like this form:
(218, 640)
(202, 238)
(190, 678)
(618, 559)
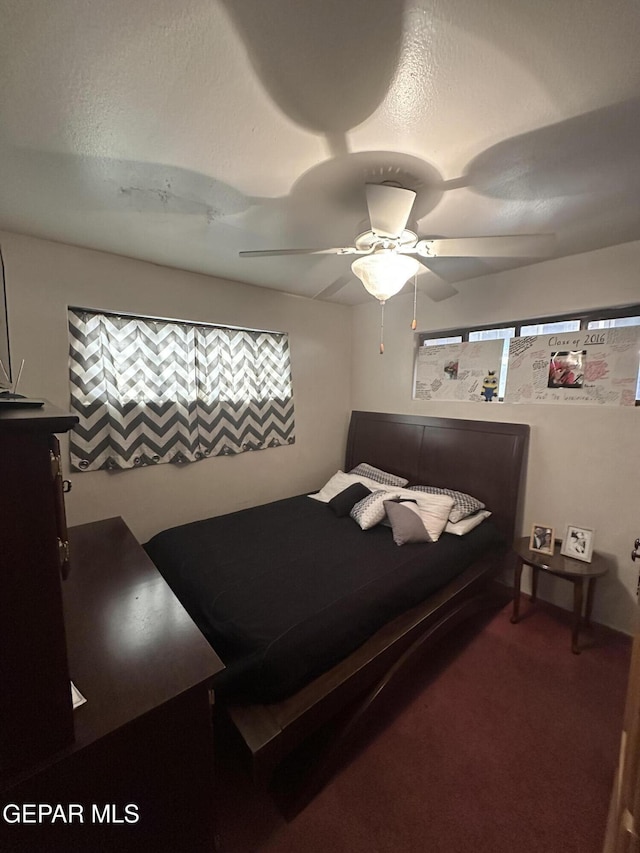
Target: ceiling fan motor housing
(389, 208)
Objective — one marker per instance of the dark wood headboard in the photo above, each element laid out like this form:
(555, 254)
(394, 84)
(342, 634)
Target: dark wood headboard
(482, 458)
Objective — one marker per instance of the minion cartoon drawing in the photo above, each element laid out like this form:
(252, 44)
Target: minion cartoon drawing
(489, 386)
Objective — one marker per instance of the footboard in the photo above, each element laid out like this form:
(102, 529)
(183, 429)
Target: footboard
(271, 732)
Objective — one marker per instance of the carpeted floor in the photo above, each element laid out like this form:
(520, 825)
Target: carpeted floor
(508, 745)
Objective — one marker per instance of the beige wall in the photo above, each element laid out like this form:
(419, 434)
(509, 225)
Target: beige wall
(583, 461)
(43, 278)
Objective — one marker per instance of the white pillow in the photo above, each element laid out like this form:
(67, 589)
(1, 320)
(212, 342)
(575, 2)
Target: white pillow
(467, 524)
(433, 510)
(341, 481)
(464, 504)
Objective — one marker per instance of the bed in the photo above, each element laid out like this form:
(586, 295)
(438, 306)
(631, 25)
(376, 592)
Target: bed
(313, 616)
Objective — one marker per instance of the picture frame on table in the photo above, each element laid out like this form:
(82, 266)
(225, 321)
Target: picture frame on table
(577, 543)
(542, 539)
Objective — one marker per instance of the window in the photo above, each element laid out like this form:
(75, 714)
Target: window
(549, 328)
(606, 318)
(432, 342)
(149, 391)
(614, 323)
(492, 335)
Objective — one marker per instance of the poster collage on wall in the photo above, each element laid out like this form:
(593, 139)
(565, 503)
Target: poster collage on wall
(587, 367)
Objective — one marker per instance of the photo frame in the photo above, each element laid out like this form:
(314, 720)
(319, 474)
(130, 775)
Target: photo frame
(542, 539)
(577, 543)
(566, 369)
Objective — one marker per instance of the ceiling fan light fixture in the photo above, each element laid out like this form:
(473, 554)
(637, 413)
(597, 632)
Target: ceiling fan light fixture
(385, 273)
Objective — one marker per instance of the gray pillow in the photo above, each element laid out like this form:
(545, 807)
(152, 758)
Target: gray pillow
(405, 524)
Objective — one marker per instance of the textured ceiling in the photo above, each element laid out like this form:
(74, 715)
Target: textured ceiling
(182, 133)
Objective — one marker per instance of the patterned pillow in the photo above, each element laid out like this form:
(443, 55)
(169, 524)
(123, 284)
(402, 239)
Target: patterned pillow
(370, 510)
(382, 477)
(463, 505)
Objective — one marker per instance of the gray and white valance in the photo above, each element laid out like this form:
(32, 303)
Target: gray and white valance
(151, 391)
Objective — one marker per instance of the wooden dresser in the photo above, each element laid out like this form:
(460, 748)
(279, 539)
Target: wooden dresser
(33, 656)
(137, 758)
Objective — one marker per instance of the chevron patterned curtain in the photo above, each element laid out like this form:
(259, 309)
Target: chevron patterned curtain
(150, 391)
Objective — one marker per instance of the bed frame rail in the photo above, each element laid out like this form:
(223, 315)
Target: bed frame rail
(271, 732)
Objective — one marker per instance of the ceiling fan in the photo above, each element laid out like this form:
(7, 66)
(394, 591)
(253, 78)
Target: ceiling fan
(391, 254)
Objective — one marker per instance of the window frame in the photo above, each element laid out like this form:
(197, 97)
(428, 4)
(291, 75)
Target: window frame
(585, 317)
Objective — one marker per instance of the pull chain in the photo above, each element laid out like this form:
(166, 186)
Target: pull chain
(414, 323)
(382, 327)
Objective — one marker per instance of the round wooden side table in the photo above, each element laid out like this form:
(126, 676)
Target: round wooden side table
(576, 571)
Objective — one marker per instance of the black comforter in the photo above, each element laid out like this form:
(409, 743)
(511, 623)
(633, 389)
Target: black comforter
(286, 590)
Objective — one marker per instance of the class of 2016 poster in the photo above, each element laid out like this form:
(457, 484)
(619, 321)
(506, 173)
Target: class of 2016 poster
(468, 371)
(595, 367)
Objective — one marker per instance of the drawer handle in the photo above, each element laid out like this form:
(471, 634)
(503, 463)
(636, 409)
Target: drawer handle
(63, 557)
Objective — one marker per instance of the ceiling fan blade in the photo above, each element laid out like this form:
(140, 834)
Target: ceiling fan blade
(389, 208)
(435, 287)
(333, 288)
(267, 253)
(508, 246)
